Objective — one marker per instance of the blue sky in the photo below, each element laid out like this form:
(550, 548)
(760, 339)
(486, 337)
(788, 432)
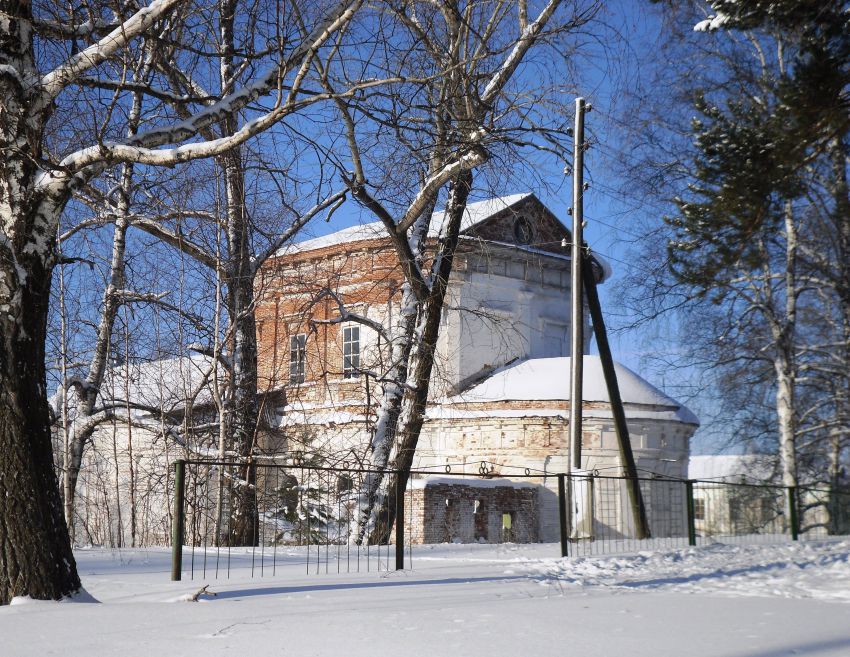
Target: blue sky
(611, 71)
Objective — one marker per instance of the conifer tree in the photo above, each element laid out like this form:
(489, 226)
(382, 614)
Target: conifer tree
(763, 226)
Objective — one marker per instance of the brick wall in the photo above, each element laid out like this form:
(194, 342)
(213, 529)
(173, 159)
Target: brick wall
(457, 513)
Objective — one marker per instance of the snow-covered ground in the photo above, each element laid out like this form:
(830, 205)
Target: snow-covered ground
(717, 600)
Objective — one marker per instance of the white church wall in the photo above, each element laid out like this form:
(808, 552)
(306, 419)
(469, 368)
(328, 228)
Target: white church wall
(491, 322)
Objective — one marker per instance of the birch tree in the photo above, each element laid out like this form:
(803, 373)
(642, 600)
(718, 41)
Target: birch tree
(425, 143)
(760, 210)
(76, 407)
(240, 248)
(36, 183)
(791, 115)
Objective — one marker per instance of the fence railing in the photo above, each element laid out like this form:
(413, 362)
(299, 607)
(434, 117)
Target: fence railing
(269, 517)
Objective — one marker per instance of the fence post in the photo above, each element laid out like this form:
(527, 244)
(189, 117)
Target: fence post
(792, 513)
(692, 529)
(399, 526)
(178, 522)
(562, 515)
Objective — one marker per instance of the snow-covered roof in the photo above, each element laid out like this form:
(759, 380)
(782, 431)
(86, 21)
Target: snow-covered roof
(290, 417)
(477, 212)
(474, 214)
(166, 384)
(731, 467)
(542, 379)
(474, 482)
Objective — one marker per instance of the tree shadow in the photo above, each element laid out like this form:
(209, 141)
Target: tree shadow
(696, 577)
(343, 586)
(810, 648)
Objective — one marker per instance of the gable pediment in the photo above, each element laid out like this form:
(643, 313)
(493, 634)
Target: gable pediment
(525, 223)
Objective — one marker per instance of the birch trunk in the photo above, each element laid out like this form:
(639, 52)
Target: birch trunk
(464, 101)
(413, 406)
(373, 493)
(785, 360)
(35, 550)
(85, 396)
(244, 414)
(239, 280)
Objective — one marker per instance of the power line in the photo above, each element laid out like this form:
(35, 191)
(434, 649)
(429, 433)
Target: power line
(619, 228)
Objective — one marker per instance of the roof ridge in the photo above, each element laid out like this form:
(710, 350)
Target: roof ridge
(486, 208)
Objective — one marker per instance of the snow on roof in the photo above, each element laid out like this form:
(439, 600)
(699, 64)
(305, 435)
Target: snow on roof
(474, 214)
(298, 417)
(477, 212)
(731, 467)
(474, 482)
(439, 412)
(356, 233)
(549, 379)
(166, 384)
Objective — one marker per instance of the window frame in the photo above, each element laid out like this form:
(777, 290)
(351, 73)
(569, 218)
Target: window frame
(297, 358)
(699, 508)
(351, 360)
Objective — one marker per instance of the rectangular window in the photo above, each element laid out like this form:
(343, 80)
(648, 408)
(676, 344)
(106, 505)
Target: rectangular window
(351, 351)
(297, 357)
(699, 509)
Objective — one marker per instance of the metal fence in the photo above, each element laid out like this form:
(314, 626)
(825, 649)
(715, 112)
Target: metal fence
(299, 516)
(270, 518)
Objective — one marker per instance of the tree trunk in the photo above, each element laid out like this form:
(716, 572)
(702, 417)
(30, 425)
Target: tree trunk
(785, 416)
(785, 360)
(422, 363)
(239, 280)
(388, 415)
(35, 551)
(244, 412)
(86, 395)
(393, 394)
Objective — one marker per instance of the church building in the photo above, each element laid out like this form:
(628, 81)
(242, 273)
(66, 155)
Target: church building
(500, 388)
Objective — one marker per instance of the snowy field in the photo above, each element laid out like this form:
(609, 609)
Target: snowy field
(717, 600)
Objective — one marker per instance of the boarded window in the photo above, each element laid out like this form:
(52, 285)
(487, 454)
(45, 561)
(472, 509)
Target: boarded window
(554, 340)
(344, 484)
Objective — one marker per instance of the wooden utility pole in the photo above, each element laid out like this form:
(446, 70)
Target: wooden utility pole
(618, 412)
(584, 283)
(577, 308)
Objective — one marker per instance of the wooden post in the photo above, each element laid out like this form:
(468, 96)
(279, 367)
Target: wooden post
(619, 414)
(692, 529)
(399, 526)
(793, 518)
(562, 515)
(178, 521)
